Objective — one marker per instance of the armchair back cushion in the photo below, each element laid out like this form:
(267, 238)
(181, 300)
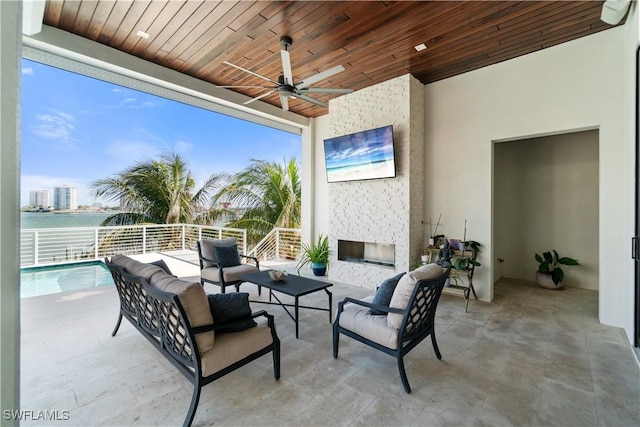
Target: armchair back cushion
(405, 287)
(207, 249)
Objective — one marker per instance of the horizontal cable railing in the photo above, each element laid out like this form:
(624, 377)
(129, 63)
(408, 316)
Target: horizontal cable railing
(280, 244)
(45, 246)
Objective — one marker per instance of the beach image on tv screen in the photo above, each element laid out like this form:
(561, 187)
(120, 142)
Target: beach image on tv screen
(362, 155)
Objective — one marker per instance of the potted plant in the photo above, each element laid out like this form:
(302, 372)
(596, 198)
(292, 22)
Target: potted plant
(316, 254)
(549, 274)
(462, 265)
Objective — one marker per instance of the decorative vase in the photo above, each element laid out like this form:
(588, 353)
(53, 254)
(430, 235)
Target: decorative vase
(319, 268)
(545, 281)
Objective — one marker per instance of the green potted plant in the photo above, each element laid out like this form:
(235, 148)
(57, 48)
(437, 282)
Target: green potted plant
(316, 254)
(549, 274)
(463, 264)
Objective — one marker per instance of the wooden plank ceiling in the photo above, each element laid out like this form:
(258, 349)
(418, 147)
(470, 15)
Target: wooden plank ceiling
(374, 41)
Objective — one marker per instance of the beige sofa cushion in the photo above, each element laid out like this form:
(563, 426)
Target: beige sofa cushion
(195, 304)
(406, 285)
(207, 249)
(232, 347)
(230, 273)
(359, 319)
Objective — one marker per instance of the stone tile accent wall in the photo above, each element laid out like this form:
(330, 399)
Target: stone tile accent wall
(381, 210)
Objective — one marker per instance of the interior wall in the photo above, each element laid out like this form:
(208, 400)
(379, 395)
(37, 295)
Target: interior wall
(570, 87)
(546, 197)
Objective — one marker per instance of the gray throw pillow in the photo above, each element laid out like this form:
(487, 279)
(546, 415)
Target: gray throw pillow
(227, 256)
(231, 311)
(384, 293)
(163, 265)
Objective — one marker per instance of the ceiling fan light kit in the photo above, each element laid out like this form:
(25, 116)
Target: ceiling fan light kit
(286, 87)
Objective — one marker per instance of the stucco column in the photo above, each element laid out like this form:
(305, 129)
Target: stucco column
(10, 30)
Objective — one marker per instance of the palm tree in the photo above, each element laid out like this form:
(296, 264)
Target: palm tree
(156, 191)
(267, 194)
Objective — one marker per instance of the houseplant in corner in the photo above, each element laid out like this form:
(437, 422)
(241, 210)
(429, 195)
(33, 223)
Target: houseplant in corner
(549, 274)
(316, 254)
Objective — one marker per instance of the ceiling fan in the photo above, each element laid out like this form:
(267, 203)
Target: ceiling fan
(285, 86)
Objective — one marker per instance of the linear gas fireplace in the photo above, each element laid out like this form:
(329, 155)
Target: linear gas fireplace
(382, 254)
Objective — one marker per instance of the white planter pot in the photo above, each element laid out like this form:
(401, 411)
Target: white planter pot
(545, 281)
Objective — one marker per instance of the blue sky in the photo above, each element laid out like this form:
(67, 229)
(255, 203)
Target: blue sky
(76, 129)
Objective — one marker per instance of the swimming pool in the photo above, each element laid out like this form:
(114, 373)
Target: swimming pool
(36, 281)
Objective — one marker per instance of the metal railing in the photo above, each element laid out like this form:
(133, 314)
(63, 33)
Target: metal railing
(45, 246)
(280, 244)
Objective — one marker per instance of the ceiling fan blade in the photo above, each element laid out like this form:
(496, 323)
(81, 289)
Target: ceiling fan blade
(248, 86)
(310, 99)
(324, 90)
(258, 97)
(286, 67)
(320, 76)
(285, 102)
(250, 72)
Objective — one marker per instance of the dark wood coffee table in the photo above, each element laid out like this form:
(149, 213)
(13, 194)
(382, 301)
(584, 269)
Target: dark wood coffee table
(295, 286)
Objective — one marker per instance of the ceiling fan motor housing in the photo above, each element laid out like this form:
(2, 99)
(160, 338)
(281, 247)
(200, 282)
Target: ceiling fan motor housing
(286, 41)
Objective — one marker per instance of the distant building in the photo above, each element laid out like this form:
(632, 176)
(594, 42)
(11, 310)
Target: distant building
(39, 199)
(65, 198)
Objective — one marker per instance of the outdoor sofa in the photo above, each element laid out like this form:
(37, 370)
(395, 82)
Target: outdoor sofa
(176, 317)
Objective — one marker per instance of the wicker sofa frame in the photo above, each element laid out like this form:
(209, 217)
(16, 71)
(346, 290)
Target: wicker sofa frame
(161, 318)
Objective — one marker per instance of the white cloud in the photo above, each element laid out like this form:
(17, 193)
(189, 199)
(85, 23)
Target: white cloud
(182, 146)
(28, 71)
(57, 126)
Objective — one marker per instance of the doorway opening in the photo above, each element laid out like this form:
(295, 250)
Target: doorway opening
(546, 197)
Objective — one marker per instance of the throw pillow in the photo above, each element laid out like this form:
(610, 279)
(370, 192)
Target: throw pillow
(163, 265)
(227, 256)
(384, 293)
(231, 311)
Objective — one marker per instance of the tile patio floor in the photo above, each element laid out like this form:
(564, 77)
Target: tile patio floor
(531, 357)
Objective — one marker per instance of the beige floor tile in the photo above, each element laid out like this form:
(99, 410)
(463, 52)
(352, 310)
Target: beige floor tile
(531, 357)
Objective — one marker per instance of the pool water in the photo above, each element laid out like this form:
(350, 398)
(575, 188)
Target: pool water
(37, 281)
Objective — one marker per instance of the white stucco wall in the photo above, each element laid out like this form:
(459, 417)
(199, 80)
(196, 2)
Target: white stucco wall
(573, 86)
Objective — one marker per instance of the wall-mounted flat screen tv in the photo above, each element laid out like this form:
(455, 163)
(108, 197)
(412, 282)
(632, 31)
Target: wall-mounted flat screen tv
(362, 155)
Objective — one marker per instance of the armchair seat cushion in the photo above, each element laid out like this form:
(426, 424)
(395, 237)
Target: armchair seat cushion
(232, 347)
(231, 274)
(358, 319)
